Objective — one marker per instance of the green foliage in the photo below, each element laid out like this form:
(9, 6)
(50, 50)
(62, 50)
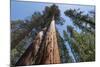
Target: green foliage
(86, 48)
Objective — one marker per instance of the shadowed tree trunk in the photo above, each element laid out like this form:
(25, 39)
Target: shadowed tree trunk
(28, 57)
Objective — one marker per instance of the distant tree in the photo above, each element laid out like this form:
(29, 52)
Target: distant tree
(83, 21)
(65, 58)
(83, 44)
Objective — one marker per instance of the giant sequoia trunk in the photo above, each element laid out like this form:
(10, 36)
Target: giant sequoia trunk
(51, 51)
(44, 50)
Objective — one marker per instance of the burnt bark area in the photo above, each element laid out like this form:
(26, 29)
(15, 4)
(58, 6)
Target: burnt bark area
(29, 55)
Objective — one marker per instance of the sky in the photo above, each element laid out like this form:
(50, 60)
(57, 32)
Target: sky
(23, 10)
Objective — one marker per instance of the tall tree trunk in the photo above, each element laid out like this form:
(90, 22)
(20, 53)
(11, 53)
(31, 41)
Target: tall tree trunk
(51, 53)
(29, 56)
